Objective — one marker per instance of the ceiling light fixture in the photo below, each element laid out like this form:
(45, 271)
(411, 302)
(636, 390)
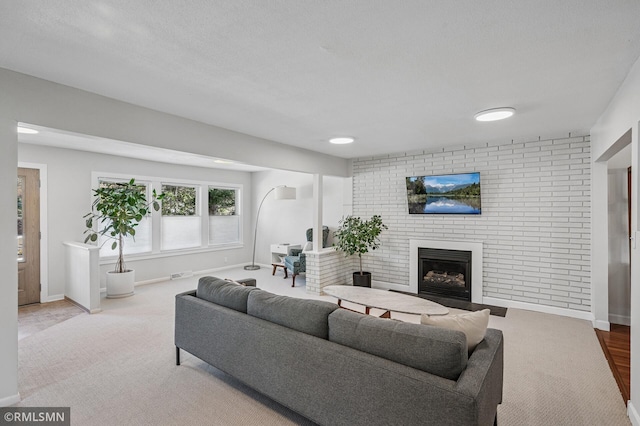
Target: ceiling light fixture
(27, 131)
(494, 114)
(341, 140)
(223, 161)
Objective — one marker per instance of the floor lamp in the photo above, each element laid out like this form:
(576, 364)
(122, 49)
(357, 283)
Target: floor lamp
(283, 192)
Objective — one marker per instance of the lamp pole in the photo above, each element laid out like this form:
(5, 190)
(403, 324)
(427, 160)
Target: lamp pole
(253, 265)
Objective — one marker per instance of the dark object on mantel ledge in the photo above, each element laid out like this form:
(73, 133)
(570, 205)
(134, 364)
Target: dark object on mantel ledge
(459, 304)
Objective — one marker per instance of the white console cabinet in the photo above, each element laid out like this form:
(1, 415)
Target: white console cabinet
(279, 251)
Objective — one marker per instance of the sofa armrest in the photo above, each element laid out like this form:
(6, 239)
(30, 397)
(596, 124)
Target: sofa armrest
(186, 293)
(295, 251)
(483, 378)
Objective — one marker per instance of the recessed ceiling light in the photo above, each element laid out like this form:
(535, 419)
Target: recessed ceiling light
(341, 140)
(223, 161)
(494, 114)
(27, 130)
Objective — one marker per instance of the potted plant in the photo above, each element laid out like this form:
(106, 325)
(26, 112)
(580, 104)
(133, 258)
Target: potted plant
(117, 209)
(355, 235)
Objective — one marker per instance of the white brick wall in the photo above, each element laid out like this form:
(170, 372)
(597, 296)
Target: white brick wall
(535, 221)
(325, 268)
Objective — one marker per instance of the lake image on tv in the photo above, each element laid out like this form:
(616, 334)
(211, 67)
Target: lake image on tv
(446, 194)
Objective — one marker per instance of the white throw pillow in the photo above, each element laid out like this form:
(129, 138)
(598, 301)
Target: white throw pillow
(234, 282)
(472, 324)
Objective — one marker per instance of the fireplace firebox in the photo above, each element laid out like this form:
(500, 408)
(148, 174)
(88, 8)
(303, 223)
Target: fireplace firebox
(444, 273)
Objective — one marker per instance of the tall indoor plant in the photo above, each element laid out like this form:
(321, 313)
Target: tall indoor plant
(357, 236)
(116, 210)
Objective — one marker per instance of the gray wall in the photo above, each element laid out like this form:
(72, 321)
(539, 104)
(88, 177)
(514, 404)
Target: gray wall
(286, 221)
(535, 222)
(619, 261)
(69, 195)
(622, 116)
(32, 100)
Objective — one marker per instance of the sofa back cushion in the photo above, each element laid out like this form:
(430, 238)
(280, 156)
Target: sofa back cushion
(432, 349)
(305, 315)
(224, 293)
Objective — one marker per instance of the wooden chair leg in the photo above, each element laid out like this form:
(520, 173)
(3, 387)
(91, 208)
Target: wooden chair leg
(286, 275)
(274, 270)
(293, 282)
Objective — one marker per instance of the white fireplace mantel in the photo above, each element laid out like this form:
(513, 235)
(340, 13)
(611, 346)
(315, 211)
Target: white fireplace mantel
(474, 247)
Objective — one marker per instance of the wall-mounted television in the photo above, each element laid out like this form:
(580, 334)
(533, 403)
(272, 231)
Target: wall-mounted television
(444, 194)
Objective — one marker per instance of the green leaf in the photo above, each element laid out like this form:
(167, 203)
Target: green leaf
(94, 237)
(114, 245)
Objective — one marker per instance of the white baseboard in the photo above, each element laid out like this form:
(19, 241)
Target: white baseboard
(224, 268)
(633, 414)
(390, 286)
(10, 400)
(619, 319)
(538, 308)
(203, 272)
(53, 298)
(602, 325)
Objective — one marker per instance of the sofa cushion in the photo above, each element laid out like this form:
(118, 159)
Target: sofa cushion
(224, 293)
(435, 350)
(305, 315)
(472, 324)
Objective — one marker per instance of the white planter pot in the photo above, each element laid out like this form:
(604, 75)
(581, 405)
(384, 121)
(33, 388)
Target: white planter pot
(120, 284)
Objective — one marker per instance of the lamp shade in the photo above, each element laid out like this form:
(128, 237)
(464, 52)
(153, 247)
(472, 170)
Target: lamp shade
(285, 193)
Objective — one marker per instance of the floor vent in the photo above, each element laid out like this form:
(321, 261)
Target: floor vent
(179, 275)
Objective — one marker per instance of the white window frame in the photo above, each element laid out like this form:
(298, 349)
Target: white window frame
(198, 211)
(202, 204)
(116, 178)
(238, 189)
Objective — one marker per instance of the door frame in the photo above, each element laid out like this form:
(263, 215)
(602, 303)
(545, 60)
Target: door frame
(44, 252)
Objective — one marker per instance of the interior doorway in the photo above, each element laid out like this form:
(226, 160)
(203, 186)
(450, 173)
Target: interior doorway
(28, 236)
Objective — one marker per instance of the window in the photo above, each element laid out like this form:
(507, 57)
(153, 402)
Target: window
(181, 223)
(224, 220)
(194, 215)
(141, 243)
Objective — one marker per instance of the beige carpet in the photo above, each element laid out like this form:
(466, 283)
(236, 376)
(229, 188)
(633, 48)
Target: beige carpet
(118, 368)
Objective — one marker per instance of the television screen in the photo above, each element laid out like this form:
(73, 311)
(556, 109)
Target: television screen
(444, 194)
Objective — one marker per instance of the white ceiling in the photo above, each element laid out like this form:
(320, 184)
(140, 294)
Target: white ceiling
(396, 75)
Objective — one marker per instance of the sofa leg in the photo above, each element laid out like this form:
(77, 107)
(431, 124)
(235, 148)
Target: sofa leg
(177, 355)
(293, 281)
(495, 420)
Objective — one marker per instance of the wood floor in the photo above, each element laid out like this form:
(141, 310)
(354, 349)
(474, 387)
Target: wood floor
(616, 345)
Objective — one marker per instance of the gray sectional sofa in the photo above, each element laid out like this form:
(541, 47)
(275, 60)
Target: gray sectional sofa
(338, 367)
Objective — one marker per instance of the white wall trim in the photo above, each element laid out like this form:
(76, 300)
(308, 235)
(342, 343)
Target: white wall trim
(601, 325)
(588, 316)
(10, 400)
(620, 319)
(391, 286)
(44, 240)
(475, 247)
(53, 298)
(202, 272)
(633, 414)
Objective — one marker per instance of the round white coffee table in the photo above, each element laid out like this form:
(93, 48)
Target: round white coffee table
(385, 300)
